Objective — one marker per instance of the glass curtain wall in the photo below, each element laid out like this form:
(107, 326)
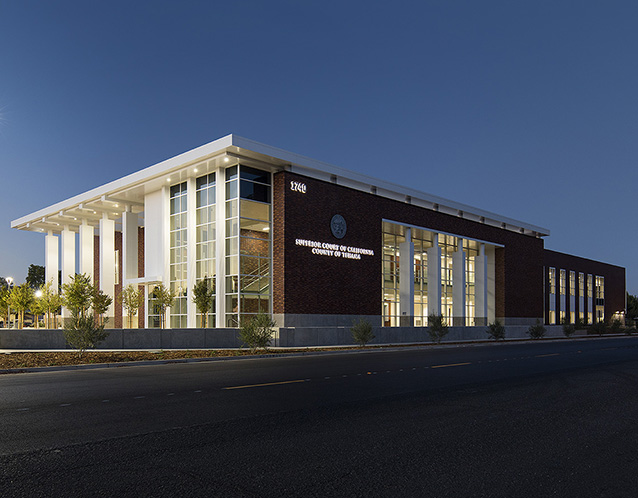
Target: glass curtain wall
(393, 235)
(178, 259)
(206, 239)
(422, 242)
(248, 243)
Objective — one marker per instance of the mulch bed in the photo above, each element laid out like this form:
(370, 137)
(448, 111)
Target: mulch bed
(28, 360)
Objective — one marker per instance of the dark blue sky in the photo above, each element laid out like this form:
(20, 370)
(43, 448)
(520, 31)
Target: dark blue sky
(528, 109)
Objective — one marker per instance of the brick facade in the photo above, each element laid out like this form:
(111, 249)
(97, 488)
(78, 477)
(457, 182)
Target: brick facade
(305, 283)
(614, 281)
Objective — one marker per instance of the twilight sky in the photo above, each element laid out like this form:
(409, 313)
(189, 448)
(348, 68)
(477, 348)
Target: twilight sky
(528, 109)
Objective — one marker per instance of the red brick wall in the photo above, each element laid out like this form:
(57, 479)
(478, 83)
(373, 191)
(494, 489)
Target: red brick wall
(304, 283)
(117, 306)
(140, 273)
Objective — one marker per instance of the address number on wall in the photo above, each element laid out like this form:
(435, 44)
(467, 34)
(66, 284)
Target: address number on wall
(298, 187)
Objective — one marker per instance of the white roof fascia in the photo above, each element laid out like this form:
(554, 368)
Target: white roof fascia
(128, 181)
(304, 165)
(298, 163)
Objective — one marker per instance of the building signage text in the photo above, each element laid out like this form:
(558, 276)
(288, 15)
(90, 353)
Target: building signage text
(298, 187)
(334, 250)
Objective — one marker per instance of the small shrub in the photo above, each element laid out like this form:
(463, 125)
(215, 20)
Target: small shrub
(82, 333)
(496, 330)
(437, 329)
(580, 324)
(362, 332)
(597, 328)
(615, 327)
(258, 332)
(537, 331)
(568, 328)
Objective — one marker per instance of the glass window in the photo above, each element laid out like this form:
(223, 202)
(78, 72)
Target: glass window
(254, 191)
(552, 281)
(255, 175)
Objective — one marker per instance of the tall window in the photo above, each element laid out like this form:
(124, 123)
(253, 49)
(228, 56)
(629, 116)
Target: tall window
(552, 281)
(581, 285)
(206, 238)
(471, 252)
(393, 235)
(600, 299)
(448, 247)
(178, 207)
(248, 243)
(590, 286)
(572, 283)
(563, 282)
(422, 240)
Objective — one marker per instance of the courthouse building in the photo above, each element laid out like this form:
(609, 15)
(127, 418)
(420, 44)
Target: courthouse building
(314, 245)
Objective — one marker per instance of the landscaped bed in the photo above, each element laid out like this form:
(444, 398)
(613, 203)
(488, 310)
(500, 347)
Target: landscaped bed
(45, 359)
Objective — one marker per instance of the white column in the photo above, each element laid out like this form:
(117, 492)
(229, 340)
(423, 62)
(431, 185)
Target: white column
(220, 255)
(491, 283)
(68, 260)
(156, 240)
(107, 261)
(87, 241)
(51, 260)
(458, 285)
(406, 280)
(191, 267)
(434, 276)
(129, 245)
(480, 287)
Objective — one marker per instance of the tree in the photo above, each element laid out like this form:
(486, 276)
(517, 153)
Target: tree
(78, 294)
(437, 329)
(84, 300)
(257, 332)
(35, 276)
(163, 298)
(632, 307)
(362, 332)
(537, 331)
(100, 303)
(3, 283)
(20, 299)
(203, 295)
(496, 330)
(131, 298)
(4, 305)
(51, 302)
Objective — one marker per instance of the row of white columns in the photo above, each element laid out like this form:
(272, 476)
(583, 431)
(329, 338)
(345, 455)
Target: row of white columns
(481, 280)
(62, 250)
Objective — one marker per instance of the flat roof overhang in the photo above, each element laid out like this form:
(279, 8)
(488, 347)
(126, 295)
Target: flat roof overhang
(127, 193)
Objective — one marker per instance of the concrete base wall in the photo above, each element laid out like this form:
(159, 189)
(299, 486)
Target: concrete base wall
(229, 338)
(126, 339)
(326, 336)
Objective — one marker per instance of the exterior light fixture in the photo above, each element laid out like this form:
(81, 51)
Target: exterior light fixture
(226, 159)
(168, 179)
(195, 170)
(38, 293)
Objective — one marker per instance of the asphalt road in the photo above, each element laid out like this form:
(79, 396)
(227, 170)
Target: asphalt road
(557, 418)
